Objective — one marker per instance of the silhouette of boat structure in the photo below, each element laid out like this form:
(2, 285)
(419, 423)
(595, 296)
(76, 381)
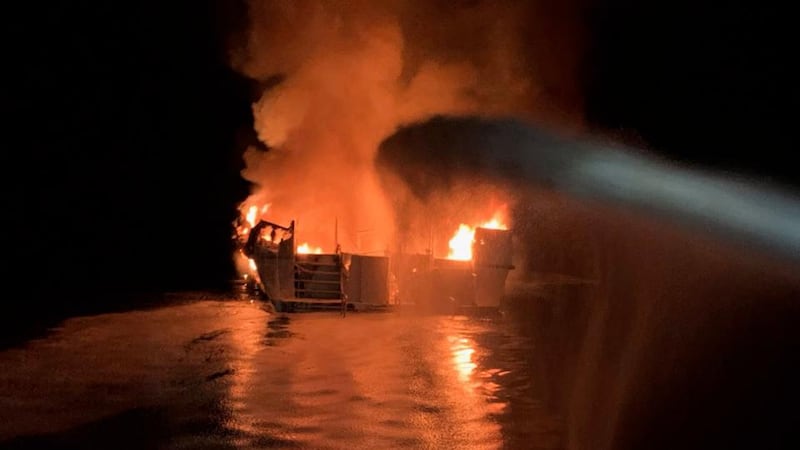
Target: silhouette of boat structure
(349, 281)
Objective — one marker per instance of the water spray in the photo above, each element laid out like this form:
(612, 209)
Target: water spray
(509, 150)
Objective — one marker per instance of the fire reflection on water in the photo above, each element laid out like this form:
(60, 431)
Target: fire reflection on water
(244, 344)
(479, 382)
(462, 358)
(304, 380)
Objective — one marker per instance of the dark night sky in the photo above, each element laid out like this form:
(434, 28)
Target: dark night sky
(125, 120)
(702, 82)
(126, 129)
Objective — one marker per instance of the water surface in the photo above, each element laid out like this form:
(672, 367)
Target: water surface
(230, 373)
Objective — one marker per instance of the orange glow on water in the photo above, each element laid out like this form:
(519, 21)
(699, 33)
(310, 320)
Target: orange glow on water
(462, 358)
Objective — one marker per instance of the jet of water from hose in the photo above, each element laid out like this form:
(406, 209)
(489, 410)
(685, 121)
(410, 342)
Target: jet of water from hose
(743, 211)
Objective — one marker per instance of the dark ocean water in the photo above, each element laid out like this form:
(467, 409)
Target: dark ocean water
(643, 337)
(207, 371)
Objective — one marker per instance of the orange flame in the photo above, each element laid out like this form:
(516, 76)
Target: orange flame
(249, 216)
(304, 248)
(248, 219)
(461, 242)
(245, 266)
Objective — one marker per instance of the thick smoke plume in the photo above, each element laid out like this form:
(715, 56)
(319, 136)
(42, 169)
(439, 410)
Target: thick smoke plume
(350, 73)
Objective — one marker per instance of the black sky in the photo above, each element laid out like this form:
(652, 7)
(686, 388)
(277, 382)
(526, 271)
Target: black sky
(125, 119)
(708, 83)
(127, 126)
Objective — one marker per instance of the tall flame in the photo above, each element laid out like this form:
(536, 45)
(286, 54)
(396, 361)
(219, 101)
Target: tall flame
(461, 242)
(249, 216)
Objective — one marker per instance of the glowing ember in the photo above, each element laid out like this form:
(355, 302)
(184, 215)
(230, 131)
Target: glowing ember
(461, 242)
(304, 248)
(245, 266)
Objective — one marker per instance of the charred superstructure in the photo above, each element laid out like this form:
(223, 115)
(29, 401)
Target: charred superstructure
(443, 283)
(293, 280)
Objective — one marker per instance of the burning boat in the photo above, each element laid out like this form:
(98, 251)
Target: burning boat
(293, 277)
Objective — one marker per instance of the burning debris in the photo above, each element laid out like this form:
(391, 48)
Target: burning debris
(338, 79)
(349, 74)
(461, 242)
(291, 275)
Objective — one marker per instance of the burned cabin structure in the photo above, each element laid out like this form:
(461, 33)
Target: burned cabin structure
(297, 281)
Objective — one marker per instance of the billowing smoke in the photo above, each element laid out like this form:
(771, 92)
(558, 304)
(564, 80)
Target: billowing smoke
(350, 73)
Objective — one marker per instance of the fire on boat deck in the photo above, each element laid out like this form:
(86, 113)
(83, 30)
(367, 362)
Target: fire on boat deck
(291, 279)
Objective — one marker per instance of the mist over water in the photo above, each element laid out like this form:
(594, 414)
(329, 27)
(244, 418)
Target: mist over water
(660, 325)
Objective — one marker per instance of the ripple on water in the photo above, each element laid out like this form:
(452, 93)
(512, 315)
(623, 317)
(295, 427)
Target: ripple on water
(233, 373)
